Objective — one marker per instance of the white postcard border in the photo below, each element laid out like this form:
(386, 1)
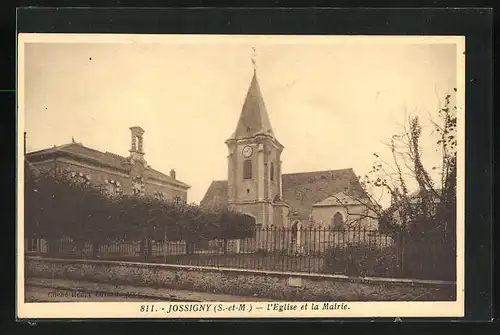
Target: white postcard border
(374, 309)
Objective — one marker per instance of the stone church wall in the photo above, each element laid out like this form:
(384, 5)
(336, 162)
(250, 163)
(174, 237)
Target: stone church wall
(354, 215)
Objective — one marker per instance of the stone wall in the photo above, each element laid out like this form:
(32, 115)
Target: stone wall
(265, 284)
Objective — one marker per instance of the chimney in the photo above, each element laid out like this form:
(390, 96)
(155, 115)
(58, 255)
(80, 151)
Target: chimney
(172, 173)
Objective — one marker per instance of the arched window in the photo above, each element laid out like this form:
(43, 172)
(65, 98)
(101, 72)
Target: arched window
(112, 187)
(247, 169)
(134, 142)
(139, 143)
(178, 200)
(271, 171)
(337, 221)
(138, 187)
(159, 195)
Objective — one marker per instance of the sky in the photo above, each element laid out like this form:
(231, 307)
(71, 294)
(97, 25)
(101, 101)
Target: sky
(332, 105)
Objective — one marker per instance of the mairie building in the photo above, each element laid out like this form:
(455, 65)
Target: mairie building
(118, 174)
(115, 173)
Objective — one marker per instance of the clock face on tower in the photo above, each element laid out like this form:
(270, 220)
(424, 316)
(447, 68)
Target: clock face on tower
(247, 151)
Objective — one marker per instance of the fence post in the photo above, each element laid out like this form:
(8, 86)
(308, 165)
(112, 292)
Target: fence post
(95, 249)
(237, 245)
(142, 247)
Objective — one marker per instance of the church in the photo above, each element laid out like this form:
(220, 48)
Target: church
(257, 187)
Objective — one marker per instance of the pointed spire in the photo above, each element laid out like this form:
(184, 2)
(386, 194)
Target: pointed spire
(254, 117)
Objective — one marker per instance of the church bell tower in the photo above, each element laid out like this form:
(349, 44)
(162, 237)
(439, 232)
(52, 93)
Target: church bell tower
(254, 162)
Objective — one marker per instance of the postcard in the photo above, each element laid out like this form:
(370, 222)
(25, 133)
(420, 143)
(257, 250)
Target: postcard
(240, 176)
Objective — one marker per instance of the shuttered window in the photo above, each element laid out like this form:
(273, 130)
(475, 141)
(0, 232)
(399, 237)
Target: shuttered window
(247, 169)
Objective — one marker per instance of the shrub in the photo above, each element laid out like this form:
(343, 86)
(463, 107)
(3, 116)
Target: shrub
(361, 260)
(261, 252)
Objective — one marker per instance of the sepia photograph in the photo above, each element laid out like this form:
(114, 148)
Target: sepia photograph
(185, 176)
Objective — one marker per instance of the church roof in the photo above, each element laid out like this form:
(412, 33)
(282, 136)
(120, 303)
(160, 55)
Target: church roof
(96, 157)
(300, 190)
(338, 199)
(216, 194)
(253, 117)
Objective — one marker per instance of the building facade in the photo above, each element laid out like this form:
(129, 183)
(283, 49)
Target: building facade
(118, 174)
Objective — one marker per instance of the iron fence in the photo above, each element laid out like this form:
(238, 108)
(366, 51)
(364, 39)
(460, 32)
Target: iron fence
(355, 251)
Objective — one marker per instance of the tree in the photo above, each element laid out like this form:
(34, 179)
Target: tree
(233, 225)
(197, 225)
(60, 204)
(63, 204)
(432, 207)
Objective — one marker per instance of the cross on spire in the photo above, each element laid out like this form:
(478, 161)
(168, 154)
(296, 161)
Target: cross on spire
(253, 58)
